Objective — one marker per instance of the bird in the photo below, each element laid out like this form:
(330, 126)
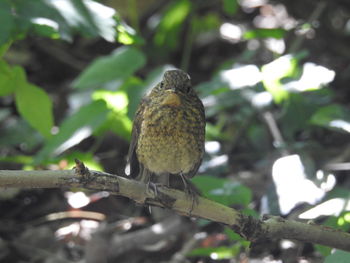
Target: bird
(168, 132)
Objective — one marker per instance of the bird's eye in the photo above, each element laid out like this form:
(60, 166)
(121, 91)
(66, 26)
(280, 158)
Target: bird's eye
(161, 84)
(188, 89)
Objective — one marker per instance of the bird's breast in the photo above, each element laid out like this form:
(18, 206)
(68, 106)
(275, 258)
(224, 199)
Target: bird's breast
(171, 137)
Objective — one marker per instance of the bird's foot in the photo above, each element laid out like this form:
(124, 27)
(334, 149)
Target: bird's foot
(191, 191)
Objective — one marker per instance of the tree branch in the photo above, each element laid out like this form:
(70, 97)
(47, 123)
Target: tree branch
(252, 229)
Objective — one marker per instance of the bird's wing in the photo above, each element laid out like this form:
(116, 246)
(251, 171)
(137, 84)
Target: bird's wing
(132, 157)
(195, 168)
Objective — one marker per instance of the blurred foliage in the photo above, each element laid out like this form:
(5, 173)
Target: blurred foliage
(73, 72)
(223, 191)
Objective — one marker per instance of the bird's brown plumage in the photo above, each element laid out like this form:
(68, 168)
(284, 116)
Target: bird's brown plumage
(168, 130)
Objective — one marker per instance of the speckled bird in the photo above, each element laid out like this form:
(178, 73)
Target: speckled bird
(168, 131)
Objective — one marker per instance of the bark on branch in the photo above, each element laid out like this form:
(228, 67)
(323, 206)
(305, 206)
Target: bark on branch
(252, 229)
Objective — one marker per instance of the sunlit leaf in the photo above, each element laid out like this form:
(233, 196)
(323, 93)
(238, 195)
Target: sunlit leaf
(118, 120)
(118, 66)
(274, 71)
(277, 33)
(46, 27)
(33, 103)
(127, 35)
(88, 17)
(124, 37)
(115, 100)
(313, 77)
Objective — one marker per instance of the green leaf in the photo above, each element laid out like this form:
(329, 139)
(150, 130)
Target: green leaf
(46, 30)
(233, 236)
(6, 22)
(19, 159)
(127, 35)
(277, 33)
(4, 48)
(329, 116)
(338, 256)
(203, 24)
(118, 120)
(19, 132)
(325, 251)
(33, 13)
(118, 66)
(119, 123)
(230, 7)
(172, 21)
(7, 81)
(223, 191)
(297, 111)
(74, 129)
(89, 16)
(33, 104)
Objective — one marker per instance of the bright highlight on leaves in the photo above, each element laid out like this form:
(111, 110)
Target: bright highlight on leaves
(273, 72)
(118, 120)
(88, 17)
